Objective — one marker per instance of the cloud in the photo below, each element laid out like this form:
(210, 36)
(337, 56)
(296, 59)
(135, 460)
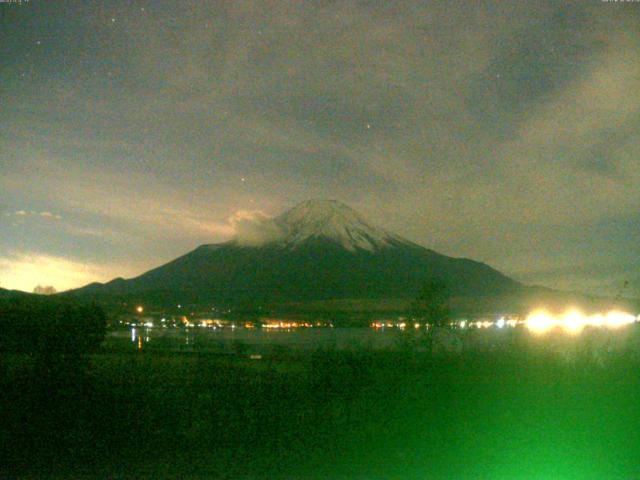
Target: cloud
(45, 214)
(479, 131)
(598, 280)
(254, 228)
(132, 204)
(50, 215)
(27, 271)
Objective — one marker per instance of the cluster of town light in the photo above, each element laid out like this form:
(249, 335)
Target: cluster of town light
(574, 321)
(538, 322)
(402, 325)
(500, 323)
(286, 325)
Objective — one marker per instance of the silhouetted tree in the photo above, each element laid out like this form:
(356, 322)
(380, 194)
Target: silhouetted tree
(42, 326)
(48, 290)
(432, 303)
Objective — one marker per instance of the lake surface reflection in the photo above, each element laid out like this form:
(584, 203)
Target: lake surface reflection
(596, 344)
(242, 340)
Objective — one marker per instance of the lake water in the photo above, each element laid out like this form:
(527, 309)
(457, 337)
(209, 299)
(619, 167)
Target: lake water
(260, 341)
(593, 343)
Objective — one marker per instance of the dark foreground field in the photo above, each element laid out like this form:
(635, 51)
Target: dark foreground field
(364, 415)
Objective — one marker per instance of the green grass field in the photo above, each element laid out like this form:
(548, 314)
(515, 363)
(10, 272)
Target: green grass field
(511, 414)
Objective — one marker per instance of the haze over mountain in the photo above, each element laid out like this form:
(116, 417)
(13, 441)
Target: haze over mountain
(318, 250)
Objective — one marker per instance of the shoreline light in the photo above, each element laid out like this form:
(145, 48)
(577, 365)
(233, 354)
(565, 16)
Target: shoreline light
(574, 321)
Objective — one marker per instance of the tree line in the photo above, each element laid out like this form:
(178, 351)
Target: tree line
(37, 325)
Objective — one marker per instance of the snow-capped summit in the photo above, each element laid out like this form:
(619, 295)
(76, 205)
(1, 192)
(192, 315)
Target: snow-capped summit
(334, 221)
(319, 250)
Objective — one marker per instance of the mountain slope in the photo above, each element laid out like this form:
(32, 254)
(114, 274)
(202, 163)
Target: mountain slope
(12, 293)
(326, 250)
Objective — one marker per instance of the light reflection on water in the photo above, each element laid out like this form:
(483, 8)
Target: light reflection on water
(593, 341)
(265, 339)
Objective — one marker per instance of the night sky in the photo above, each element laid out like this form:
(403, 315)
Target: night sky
(507, 132)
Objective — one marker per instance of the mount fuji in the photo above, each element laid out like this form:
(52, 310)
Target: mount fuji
(319, 250)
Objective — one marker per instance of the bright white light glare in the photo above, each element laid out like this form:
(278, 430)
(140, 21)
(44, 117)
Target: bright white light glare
(540, 322)
(616, 319)
(501, 322)
(573, 321)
